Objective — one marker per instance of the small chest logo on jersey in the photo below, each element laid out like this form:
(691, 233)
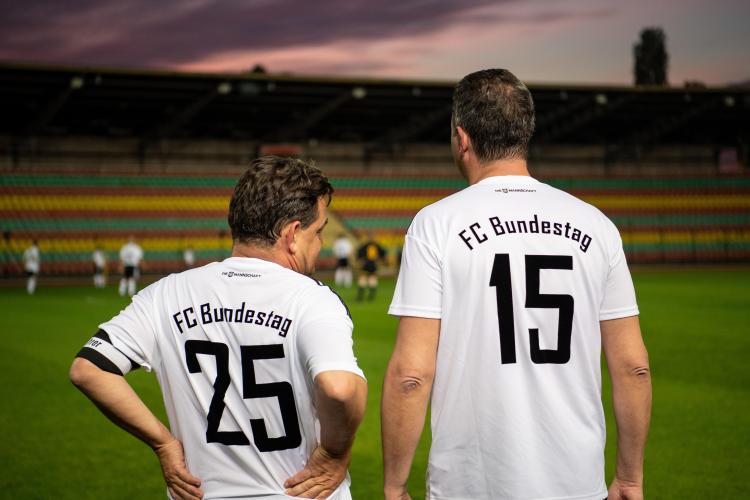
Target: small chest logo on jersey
(514, 190)
(232, 274)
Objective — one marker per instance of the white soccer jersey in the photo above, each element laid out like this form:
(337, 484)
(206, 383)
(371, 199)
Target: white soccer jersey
(131, 254)
(236, 346)
(189, 257)
(31, 259)
(520, 274)
(342, 248)
(99, 259)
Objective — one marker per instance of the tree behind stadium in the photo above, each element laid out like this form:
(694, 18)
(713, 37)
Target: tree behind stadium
(651, 58)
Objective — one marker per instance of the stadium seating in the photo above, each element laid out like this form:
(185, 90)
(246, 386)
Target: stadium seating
(71, 213)
(661, 220)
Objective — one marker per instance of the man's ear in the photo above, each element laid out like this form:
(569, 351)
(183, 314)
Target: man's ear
(463, 140)
(289, 236)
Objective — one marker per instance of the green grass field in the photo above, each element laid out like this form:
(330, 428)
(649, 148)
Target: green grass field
(55, 444)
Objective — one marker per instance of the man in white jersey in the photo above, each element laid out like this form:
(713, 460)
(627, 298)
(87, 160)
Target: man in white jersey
(507, 293)
(188, 257)
(131, 255)
(100, 267)
(31, 264)
(342, 250)
(253, 356)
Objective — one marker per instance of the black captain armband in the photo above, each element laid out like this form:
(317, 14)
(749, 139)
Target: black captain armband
(100, 351)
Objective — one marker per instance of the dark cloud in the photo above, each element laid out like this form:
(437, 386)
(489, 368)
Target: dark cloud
(174, 32)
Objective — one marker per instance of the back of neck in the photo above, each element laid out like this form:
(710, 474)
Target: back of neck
(268, 253)
(514, 166)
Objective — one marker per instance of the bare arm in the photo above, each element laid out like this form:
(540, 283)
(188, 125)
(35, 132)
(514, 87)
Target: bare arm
(116, 399)
(340, 399)
(627, 361)
(406, 393)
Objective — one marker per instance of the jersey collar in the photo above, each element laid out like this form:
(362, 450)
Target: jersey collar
(500, 179)
(250, 261)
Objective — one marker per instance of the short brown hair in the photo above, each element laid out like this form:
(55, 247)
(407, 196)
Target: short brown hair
(272, 193)
(497, 112)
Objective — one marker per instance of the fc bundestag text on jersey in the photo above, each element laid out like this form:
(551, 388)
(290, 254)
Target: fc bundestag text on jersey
(207, 314)
(476, 234)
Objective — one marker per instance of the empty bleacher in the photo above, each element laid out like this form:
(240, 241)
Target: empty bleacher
(661, 220)
(71, 213)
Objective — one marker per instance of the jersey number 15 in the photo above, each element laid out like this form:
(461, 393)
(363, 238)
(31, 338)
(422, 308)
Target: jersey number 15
(500, 279)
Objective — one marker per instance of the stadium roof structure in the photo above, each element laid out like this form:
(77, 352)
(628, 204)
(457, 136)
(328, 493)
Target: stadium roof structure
(39, 101)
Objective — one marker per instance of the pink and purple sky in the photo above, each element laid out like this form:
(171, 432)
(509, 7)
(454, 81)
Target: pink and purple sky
(542, 41)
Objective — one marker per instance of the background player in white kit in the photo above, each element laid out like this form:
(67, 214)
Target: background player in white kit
(31, 264)
(188, 257)
(254, 358)
(100, 267)
(507, 293)
(131, 255)
(342, 250)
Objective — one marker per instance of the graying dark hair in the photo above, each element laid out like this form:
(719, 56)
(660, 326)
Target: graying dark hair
(273, 192)
(497, 112)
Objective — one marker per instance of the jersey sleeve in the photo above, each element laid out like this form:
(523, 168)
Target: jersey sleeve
(619, 294)
(133, 332)
(324, 338)
(419, 288)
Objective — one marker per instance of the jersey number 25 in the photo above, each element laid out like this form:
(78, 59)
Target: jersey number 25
(250, 390)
